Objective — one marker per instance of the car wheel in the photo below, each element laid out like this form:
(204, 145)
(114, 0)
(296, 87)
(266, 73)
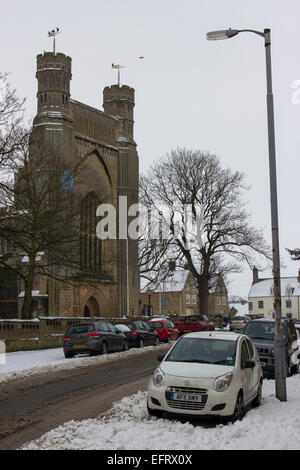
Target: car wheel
(156, 341)
(257, 400)
(239, 411)
(141, 343)
(104, 349)
(69, 355)
(157, 413)
(126, 347)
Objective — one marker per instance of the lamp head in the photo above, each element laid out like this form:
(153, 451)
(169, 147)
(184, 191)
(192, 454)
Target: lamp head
(222, 34)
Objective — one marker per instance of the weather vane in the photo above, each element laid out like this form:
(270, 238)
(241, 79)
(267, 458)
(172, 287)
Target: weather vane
(53, 33)
(118, 67)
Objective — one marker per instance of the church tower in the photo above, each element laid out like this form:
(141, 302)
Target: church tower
(54, 76)
(119, 102)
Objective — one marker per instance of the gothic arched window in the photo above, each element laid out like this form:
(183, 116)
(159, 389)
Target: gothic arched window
(90, 244)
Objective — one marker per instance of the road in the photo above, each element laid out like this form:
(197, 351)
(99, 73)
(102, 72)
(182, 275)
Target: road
(31, 406)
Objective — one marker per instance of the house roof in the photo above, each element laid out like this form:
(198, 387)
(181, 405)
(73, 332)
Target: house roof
(240, 308)
(174, 283)
(262, 288)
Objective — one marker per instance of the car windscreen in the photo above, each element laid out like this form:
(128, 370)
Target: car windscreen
(132, 326)
(260, 330)
(156, 324)
(239, 318)
(204, 350)
(76, 329)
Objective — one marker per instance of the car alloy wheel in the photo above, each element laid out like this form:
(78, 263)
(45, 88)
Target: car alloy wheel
(104, 348)
(239, 409)
(141, 343)
(125, 346)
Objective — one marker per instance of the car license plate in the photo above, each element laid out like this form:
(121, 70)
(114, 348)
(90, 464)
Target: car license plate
(186, 397)
(79, 346)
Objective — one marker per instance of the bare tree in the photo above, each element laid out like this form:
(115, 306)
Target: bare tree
(13, 133)
(214, 236)
(295, 254)
(43, 222)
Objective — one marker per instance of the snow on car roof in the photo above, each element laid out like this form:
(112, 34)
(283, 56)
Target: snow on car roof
(227, 335)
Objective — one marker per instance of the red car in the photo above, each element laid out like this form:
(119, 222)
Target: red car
(165, 329)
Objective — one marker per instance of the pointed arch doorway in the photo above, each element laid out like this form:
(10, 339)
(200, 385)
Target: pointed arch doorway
(91, 308)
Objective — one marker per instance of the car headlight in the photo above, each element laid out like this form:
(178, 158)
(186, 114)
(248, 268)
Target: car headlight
(158, 378)
(222, 383)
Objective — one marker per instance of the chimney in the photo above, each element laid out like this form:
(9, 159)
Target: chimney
(255, 275)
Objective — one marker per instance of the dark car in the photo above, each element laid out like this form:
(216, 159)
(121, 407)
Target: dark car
(130, 335)
(93, 338)
(262, 333)
(141, 334)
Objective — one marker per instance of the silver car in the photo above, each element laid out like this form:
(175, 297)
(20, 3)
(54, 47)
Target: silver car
(93, 338)
(239, 322)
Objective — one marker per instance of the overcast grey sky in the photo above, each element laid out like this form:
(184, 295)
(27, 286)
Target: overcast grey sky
(189, 92)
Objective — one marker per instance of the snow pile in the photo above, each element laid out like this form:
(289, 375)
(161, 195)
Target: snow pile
(127, 426)
(27, 363)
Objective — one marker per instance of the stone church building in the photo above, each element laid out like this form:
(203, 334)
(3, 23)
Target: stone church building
(103, 141)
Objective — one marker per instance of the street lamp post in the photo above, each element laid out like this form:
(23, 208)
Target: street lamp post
(279, 350)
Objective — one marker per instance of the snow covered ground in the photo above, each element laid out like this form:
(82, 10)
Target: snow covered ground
(26, 363)
(127, 426)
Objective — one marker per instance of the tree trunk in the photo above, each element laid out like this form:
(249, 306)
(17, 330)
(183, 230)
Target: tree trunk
(203, 297)
(26, 313)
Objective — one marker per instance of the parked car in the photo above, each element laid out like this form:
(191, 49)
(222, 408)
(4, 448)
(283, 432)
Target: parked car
(238, 323)
(207, 373)
(297, 326)
(262, 332)
(192, 323)
(141, 334)
(93, 338)
(131, 334)
(165, 329)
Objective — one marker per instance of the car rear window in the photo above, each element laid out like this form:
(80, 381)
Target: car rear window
(156, 324)
(76, 329)
(103, 326)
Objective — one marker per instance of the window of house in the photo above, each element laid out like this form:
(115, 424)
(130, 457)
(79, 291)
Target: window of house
(188, 300)
(288, 304)
(224, 300)
(260, 304)
(194, 299)
(218, 301)
(250, 306)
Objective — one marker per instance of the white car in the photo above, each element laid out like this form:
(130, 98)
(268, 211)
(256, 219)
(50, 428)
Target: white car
(207, 373)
